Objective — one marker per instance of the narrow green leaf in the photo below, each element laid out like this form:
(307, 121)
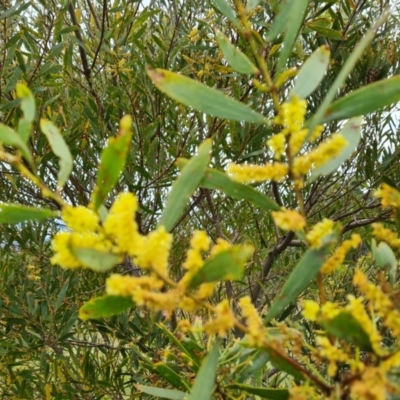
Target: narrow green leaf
(254, 364)
(112, 162)
(185, 345)
(104, 307)
(385, 258)
(304, 272)
(11, 138)
(326, 32)
(202, 98)
(227, 10)
(366, 100)
(227, 265)
(61, 296)
(343, 75)
(345, 327)
(265, 393)
(219, 180)
(98, 261)
(205, 379)
(295, 19)
(311, 73)
(352, 133)
(280, 20)
(172, 377)
(282, 364)
(161, 392)
(60, 149)
(14, 213)
(252, 4)
(185, 185)
(236, 59)
(28, 101)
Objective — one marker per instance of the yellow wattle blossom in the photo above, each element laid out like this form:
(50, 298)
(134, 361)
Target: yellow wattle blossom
(310, 310)
(318, 232)
(223, 321)
(373, 385)
(219, 247)
(277, 144)
(120, 224)
(154, 251)
(80, 219)
(379, 302)
(386, 235)
(356, 308)
(256, 334)
(319, 156)
(292, 114)
(297, 139)
(304, 392)
(332, 353)
(390, 197)
(337, 258)
(205, 290)
(123, 285)
(64, 242)
(247, 173)
(289, 220)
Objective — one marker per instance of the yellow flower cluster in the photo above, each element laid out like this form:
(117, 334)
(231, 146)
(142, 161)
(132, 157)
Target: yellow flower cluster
(223, 321)
(386, 235)
(390, 197)
(325, 152)
(247, 173)
(289, 220)
(118, 235)
(121, 226)
(256, 334)
(320, 230)
(332, 353)
(379, 302)
(337, 258)
(373, 385)
(328, 311)
(80, 219)
(304, 392)
(291, 117)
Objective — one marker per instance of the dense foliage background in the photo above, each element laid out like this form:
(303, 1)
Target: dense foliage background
(85, 62)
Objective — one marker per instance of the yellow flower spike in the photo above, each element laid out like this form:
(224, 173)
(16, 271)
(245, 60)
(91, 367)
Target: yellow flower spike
(356, 308)
(318, 232)
(292, 114)
(63, 241)
(332, 353)
(221, 245)
(379, 302)
(205, 290)
(310, 310)
(120, 224)
(337, 258)
(256, 334)
(386, 235)
(80, 219)
(154, 251)
(390, 197)
(289, 220)
(246, 173)
(277, 144)
(319, 156)
(224, 320)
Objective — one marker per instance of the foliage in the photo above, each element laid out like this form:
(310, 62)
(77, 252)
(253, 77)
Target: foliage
(174, 173)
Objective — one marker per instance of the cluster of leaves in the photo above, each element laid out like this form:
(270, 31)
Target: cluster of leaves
(87, 64)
